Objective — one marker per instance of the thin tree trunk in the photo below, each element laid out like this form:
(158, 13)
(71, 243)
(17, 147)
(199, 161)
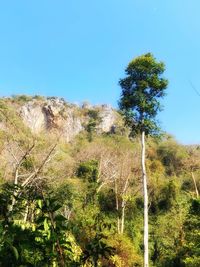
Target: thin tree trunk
(117, 206)
(195, 184)
(123, 206)
(26, 212)
(145, 192)
(123, 216)
(14, 191)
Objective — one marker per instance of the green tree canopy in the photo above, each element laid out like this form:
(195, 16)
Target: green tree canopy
(141, 89)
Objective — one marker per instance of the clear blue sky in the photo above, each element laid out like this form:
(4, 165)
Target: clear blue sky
(79, 49)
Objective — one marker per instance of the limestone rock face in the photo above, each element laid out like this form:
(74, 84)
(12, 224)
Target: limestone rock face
(68, 120)
(33, 116)
(62, 118)
(107, 119)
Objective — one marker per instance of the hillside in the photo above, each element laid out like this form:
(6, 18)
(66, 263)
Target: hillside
(56, 115)
(71, 189)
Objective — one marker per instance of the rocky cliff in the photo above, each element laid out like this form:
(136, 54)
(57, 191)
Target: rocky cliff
(56, 115)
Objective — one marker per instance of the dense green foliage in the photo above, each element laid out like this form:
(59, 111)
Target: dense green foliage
(141, 89)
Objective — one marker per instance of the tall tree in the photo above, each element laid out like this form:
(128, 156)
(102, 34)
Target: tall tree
(141, 89)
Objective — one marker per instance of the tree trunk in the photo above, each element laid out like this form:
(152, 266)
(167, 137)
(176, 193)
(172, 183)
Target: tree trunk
(117, 207)
(26, 212)
(123, 205)
(123, 216)
(145, 192)
(195, 184)
(13, 201)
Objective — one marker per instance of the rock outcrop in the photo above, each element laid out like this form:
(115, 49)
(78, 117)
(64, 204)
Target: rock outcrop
(33, 116)
(54, 114)
(107, 119)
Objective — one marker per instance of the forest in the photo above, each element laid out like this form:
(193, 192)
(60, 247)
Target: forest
(81, 203)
